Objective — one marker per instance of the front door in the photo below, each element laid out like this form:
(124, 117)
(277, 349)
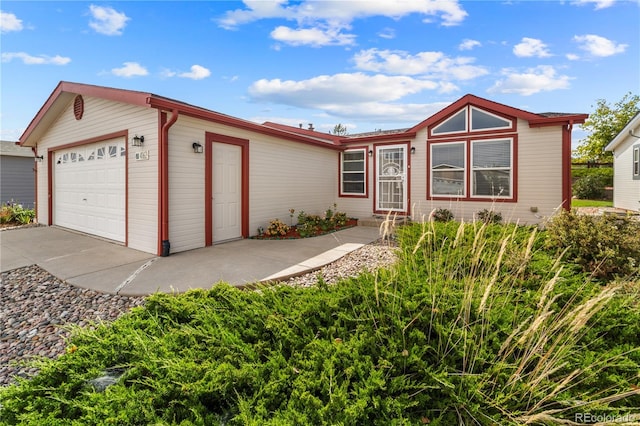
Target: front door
(227, 192)
(391, 178)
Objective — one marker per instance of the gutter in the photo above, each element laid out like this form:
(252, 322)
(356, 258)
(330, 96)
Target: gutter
(566, 165)
(163, 193)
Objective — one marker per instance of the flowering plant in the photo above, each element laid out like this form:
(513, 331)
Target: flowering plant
(277, 228)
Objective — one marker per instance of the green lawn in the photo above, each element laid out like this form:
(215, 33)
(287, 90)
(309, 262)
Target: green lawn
(591, 203)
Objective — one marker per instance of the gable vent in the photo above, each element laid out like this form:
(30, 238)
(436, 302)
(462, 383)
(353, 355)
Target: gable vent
(78, 107)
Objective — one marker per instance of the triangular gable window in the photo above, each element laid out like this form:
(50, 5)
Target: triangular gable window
(482, 120)
(457, 123)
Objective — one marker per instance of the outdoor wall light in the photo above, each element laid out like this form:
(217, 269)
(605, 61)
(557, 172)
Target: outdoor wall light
(413, 150)
(370, 153)
(137, 140)
(197, 147)
(39, 158)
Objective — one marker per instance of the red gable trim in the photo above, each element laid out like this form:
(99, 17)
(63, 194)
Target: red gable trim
(153, 101)
(535, 120)
(335, 139)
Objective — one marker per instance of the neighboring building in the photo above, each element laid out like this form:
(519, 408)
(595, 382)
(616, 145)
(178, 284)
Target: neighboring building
(200, 177)
(626, 166)
(17, 178)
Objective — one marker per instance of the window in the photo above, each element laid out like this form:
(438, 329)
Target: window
(457, 123)
(483, 120)
(353, 172)
(491, 168)
(448, 169)
(636, 162)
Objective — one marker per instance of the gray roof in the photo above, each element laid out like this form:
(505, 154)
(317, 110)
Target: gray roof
(11, 149)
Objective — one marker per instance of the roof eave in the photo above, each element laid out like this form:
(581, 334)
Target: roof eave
(622, 136)
(204, 114)
(65, 87)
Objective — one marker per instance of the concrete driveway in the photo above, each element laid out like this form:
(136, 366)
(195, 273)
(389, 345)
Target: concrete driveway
(89, 262)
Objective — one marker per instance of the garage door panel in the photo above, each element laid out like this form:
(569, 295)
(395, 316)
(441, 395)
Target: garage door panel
(89, 189)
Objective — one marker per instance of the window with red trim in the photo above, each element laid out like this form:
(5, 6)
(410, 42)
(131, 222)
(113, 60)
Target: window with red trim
(353, 172)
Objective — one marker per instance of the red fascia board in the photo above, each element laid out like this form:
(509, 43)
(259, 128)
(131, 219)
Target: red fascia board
(480, 103)
(379, 138)
(559, 120)
(203, 114)
(119, 95)
(305, 132)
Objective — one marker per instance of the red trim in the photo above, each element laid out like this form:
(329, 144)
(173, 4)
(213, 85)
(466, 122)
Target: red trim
(566, 167)
(35, 174)
(162, 119)
(50, 187)
(501, 109)
(208, 192)
(215, 117)
(96, 139)
(384, 138)
(67, 91)
(335, 139)
(511, 129)
(210, 139)
(365, 148)
(126, 189)
(408, 173)
(467, 140)
(163, 159)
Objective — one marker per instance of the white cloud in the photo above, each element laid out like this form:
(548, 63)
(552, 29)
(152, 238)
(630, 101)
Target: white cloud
(35, 60)
(572, 56)
(197, 72)
(354, 95)
(107, 20)
(130, 69)
(432, 64)
(529, 47)
(9, 22)
(315, 37)
(599, 46)
(338, 88)
(543, 78)
(599, 4)
(468, 44)
(344, 12)
(387, 33)
(323, 21)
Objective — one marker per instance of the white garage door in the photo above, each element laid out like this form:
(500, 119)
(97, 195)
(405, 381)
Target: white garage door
(89, 189)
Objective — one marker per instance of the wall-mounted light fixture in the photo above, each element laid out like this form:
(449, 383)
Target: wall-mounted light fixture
(370, 153)
(39, 158)
(197, 147)
(137, 140)
(413, 150)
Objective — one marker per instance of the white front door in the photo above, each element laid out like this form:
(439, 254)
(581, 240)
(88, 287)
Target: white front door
(89, 189)
(227, 192)
(391, 178)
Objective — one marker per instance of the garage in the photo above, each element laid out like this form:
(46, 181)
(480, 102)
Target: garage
(89, 189)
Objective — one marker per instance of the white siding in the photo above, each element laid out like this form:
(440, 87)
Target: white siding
(626, 190)
(102, 117)
(283, 175)
(539, 181)
(186, 186)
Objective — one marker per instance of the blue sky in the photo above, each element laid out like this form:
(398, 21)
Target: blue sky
(365, 64)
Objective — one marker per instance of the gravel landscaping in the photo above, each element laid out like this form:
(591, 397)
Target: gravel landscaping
(37, 309)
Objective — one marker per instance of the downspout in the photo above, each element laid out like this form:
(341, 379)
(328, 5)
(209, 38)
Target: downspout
(163, 155)
(34, 149)
(566, 166)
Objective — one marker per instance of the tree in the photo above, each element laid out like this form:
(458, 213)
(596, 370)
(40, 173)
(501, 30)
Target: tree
(604, 124)
(340, 130)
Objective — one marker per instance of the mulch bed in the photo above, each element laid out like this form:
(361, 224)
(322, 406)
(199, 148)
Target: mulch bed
(293, 233)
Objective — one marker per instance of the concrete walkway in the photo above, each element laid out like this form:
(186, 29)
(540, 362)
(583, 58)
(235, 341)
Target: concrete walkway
(100, 265)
